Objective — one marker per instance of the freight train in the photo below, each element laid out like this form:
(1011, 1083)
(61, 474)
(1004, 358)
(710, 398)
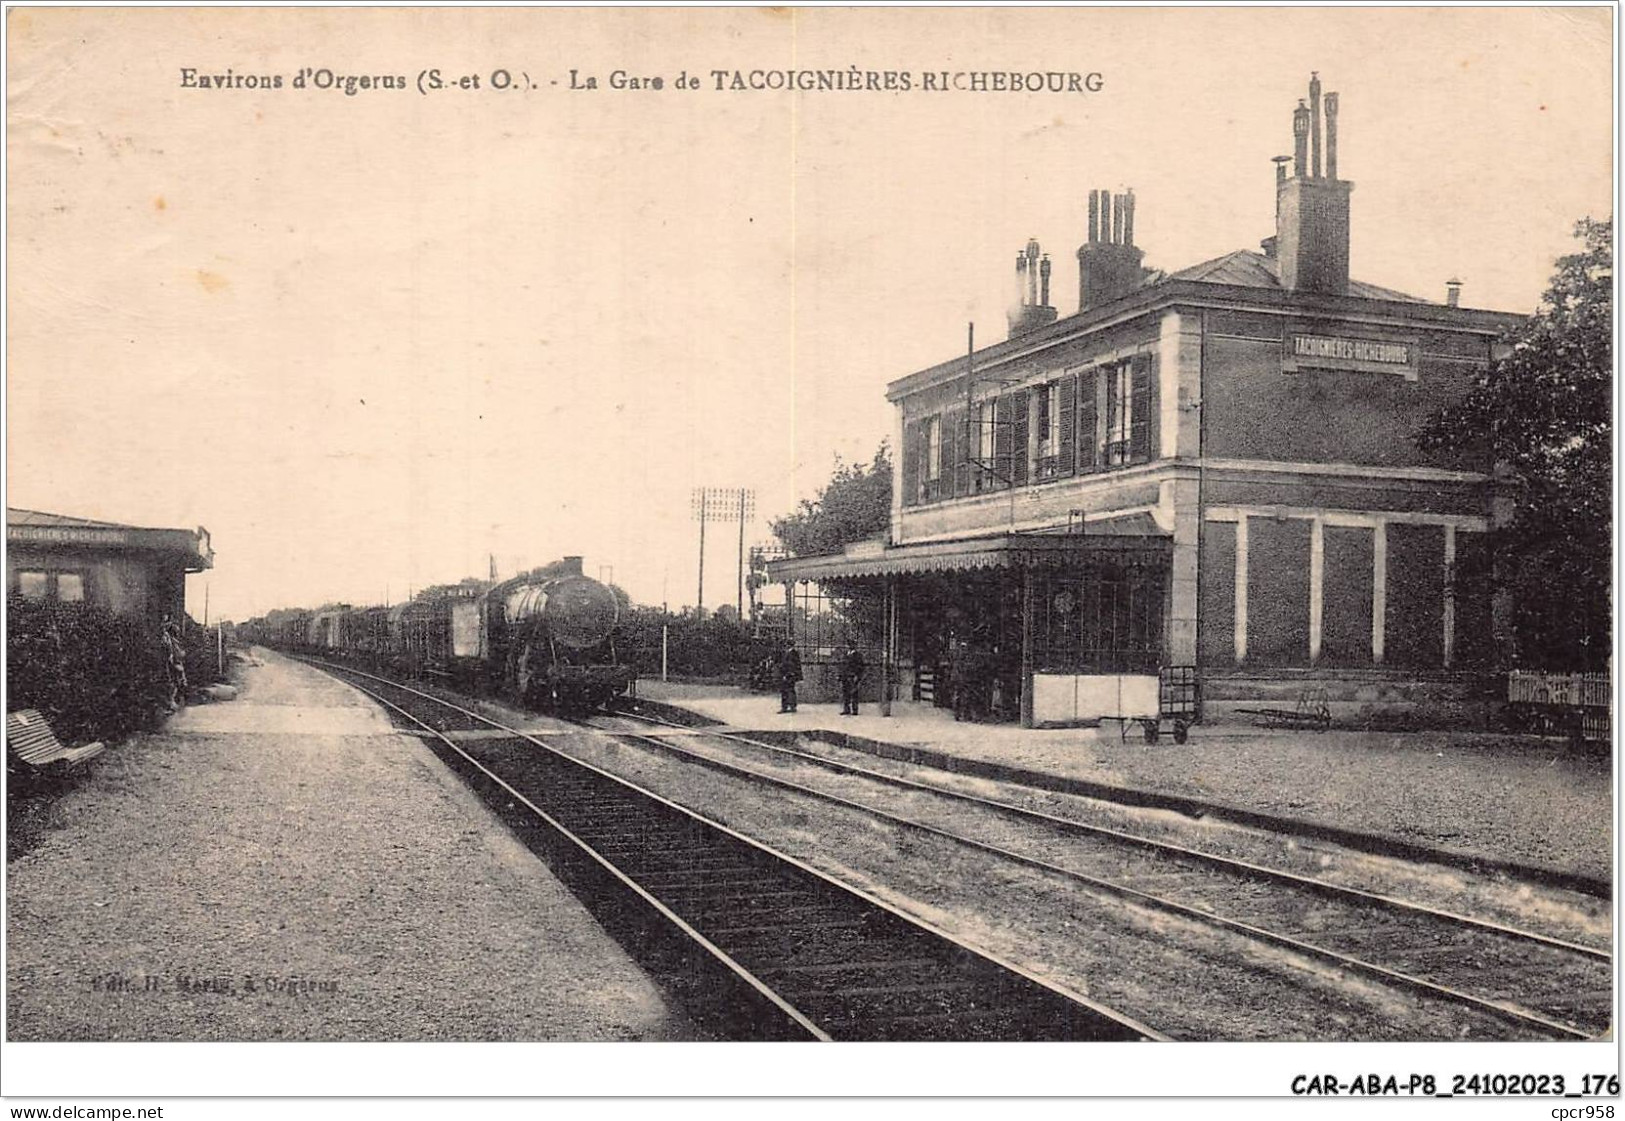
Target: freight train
(545, 638)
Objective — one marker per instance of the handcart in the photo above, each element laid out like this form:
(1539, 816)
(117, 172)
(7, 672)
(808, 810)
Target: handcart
(1311, 711)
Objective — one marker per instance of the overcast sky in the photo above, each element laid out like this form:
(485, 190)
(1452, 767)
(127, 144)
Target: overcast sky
(369, 340)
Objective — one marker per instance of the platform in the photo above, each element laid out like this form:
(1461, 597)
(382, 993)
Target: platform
(289, 866)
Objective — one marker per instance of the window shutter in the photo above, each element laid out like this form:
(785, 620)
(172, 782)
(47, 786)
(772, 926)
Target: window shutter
(1139, 436)
(1067, 453)
(1018, 437)
(955, 475)
(1088, 424)
(1003, 427)
(911, 463)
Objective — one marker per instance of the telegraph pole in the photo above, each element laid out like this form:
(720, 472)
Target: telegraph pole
(723, 504)
(700, 504)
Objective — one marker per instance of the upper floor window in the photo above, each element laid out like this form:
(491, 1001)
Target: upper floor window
(1119, 413)
(1115, 412)
(933, 448)
(986, 430)
(1049, 420)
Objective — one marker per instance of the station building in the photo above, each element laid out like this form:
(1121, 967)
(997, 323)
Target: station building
(1215, 467)
(129, 570)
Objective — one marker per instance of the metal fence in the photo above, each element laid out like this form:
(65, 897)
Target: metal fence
(1563, 701)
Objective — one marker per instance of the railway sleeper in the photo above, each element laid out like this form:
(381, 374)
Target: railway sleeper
(774, 948)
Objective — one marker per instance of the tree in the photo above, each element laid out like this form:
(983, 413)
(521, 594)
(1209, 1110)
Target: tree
(854, 505)
(1543, 413)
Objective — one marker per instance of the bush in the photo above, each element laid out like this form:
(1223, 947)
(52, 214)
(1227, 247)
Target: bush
(709, 647)
(202, 657)
(94, 675)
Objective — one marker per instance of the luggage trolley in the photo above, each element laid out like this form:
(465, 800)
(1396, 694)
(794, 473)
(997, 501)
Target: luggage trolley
(1178, 703)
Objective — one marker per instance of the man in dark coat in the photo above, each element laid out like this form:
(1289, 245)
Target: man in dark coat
(789, 674)
(174, 663)
(851, 674)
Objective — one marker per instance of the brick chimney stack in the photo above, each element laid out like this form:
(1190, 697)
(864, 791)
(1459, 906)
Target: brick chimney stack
(1032, 308)
(1311, 209)
(1109, 263)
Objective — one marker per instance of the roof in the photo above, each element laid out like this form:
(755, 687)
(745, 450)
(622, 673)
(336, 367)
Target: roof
(61, 531)
(1246, 269)
(1006, 551)
(1242, 276)
(15, 516)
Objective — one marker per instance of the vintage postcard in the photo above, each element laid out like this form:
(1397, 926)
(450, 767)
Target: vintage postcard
(571, 526)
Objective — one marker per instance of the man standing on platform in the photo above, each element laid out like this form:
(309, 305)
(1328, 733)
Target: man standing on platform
(789, 674)
(851, 674)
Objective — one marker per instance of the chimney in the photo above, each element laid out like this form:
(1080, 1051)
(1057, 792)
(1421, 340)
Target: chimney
(1032, 309)
(1452, 292)
(1109, 263)
(1311, 210)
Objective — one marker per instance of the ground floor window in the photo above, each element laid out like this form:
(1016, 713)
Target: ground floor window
(1102, 619)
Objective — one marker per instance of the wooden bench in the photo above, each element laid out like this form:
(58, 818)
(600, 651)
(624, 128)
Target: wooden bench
(31, 740)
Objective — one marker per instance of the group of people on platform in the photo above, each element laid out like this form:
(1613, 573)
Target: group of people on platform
(978, 689)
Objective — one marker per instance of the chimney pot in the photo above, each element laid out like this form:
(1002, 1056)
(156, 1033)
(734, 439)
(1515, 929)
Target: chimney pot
(1300, 140)
(1452, 288)
(1314, 121)
(1109, 262)
(1331, 135)
(1311, 212)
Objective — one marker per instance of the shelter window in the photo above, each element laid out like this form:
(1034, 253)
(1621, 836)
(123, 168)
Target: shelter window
(64, 587)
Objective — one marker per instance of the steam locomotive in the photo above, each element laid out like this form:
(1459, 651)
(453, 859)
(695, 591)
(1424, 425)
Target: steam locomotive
(545, 638)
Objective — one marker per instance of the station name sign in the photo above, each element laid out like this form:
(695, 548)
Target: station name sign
(1340, 352)
(165, 540)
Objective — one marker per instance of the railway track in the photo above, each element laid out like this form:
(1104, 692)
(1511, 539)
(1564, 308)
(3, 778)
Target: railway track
(757, 944)
(1537, 984)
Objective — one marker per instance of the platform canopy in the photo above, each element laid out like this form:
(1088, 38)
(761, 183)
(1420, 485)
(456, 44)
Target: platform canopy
(865, 559)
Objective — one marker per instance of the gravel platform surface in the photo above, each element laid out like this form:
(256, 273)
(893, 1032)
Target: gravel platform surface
(1514, 798)
(288, 866)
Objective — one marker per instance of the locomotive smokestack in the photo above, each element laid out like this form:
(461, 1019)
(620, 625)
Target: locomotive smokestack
(572, 565)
